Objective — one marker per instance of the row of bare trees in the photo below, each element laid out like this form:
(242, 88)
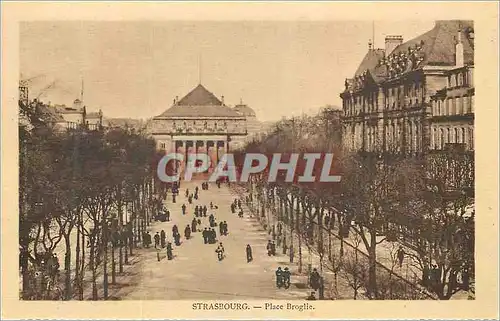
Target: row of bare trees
(86, 195)
(422, 202)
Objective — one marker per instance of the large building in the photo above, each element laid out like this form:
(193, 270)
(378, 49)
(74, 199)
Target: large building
(202, 123)
(413, 97)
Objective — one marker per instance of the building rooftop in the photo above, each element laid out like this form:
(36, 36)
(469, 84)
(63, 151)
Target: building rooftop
(199, 96)
(435, 47)
(199, 102)
(244, 110)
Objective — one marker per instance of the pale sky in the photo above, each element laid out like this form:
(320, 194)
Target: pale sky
(135, 69)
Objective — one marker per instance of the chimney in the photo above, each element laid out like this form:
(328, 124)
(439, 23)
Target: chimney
(391, 42)
(459, 51)
(222, 99)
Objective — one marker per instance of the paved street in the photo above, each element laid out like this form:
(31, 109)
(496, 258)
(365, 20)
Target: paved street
(195, 272)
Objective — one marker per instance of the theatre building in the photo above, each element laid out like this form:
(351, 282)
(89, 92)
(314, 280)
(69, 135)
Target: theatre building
(199, 123)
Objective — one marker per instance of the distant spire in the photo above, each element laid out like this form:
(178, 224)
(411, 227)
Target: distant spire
(373, 34)
(241, 101)
(81, 92)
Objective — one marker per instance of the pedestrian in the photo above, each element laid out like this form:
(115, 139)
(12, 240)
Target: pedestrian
(233, 208)
(211, 206)
(314, 279)
(240, 214)
(269, 248)
(220, 253)
(157, 240)
(205, 210)
(279, 277)
(196, 190)
(286, 277)
(175, 230)
(187, 192)
(168, 215)
(273, 248)
(249, 253)
(187, 232)
(194, 223)
(239, 203)
(173, 198)
(170, 254)
(401, 256)
(213, 236)
(147, 239)
(225, 228)
(163, 237)
(177, 239)
(183, 209)
(205, 236)
(311, 296)
(221, 228)
(196, 211)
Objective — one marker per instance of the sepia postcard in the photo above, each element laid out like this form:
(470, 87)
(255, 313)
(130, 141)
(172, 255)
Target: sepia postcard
(249, 160)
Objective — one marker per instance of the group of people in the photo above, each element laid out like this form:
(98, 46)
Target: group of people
(237, 205)
(223, 230)
(209, 236)
(200, 211)
(271, 248)
(283, 278)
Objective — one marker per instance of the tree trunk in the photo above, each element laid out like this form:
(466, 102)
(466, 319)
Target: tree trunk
(113, 265)
(67, 267)
(372, 267)
(93, 267)
(299, 234)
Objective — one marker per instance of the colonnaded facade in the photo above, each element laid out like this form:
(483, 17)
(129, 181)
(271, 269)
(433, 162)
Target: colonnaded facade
(202, 123)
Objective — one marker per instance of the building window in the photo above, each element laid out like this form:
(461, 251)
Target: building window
(453, 110)
(441, 138)
(470, 133)
(472, 104)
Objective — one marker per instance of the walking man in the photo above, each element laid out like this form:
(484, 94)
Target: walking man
(205, 236)
(401, 256)
(249, 253)
(279, 277)
(286, 277)
(269, 248)
(157, 240)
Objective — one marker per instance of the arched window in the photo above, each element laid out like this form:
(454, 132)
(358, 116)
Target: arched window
(456, 138)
